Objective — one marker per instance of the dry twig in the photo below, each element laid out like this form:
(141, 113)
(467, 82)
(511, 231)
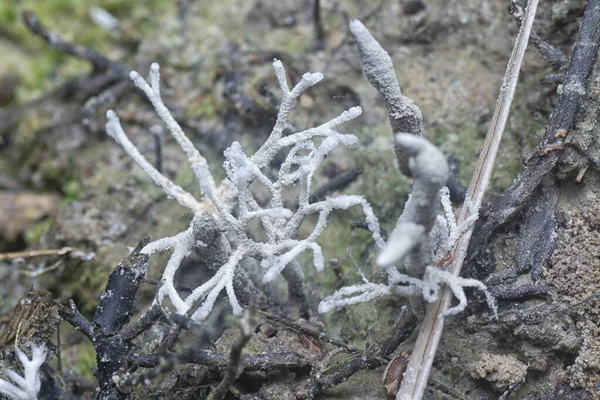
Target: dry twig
(234, 367)
(61, 45)
(562, 120)
(419, 367)
(65, 251)
(307, 331)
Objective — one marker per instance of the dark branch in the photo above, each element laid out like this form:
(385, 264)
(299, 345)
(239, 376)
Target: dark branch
(307, 331)
(580, 69)
(401, 330)
(74, 317)
(370, 358)
(135, 329)
(338, 182)
(118, 299)
(561, 122)
(61, 45)
(234, 367)
(512, 292)
(163, 362)
(318, 23)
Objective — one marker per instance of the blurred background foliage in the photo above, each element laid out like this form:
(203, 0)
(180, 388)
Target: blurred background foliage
(37, 68)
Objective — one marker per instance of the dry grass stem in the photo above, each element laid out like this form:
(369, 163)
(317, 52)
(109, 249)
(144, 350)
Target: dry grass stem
(417, 373)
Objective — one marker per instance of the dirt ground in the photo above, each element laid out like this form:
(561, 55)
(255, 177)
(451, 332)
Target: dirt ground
(64, 182)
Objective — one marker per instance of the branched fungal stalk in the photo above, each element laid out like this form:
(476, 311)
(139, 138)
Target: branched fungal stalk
(25, 387)
(403, 113)
(422, 238)
(281, 225)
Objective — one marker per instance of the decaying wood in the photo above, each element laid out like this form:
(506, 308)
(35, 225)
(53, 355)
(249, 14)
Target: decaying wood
(417, 373)
(540, 164)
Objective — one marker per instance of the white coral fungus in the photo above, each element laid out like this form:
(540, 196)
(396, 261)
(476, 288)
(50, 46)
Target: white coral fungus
(281, 225)
(25, 387)
(421, 240)
(420, 236)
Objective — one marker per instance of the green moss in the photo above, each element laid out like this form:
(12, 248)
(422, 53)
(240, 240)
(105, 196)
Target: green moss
(289, 41)
(55, 173)
(8, 12)
(203, 107)
(86, 286)
(227, 339)
(71, 189)
(86, 361)
(380, 182)
(35, 231)
(253, 348)
(41, 68)
(363, 385)
(185, 175)
(464, 143)
(521, 135)
(359, 323)
(365, 322)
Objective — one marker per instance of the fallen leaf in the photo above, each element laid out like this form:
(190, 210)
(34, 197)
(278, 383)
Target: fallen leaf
(18, 210)
(392, 376)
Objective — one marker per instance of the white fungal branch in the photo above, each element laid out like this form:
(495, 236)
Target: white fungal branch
(421, 239)
(350, 295)
(281, 224)
(223, 279)
(420, 230)
(198, 163)
(433, 279)
(446, 231)
(115, 130)
(25, 387)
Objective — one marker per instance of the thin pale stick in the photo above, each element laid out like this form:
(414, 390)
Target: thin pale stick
(415, 378)
(35, 253)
